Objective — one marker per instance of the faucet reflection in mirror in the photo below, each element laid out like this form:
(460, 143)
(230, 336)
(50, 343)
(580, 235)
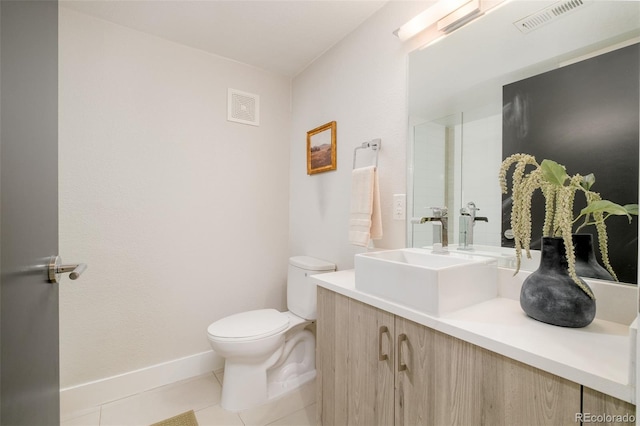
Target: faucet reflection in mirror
(468, 221)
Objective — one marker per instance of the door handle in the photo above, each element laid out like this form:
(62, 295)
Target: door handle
(383, 330)
(56, 268)
(401, 365)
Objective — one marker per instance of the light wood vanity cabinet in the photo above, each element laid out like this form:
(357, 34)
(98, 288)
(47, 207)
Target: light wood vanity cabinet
(354, 386)
(594, 402)
(375, 368)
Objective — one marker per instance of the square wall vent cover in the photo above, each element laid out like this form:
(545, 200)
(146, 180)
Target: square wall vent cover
(243, 107)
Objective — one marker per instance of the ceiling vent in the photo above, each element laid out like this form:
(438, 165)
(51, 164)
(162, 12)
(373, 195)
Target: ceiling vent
(548, 14)
(243, 107)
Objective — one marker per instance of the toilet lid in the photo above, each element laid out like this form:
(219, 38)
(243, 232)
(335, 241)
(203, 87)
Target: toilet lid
(249, 325)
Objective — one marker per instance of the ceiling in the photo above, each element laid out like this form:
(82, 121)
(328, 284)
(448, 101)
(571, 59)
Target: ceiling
(279, 36)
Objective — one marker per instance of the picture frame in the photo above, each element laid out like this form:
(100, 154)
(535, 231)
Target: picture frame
(321, 148)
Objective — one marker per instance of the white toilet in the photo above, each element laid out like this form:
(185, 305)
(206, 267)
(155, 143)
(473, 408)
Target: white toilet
(268, 353)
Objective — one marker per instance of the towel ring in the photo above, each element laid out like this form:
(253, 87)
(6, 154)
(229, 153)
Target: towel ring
(374, 144)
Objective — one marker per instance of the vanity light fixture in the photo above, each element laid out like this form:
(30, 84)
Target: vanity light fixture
(447, 14)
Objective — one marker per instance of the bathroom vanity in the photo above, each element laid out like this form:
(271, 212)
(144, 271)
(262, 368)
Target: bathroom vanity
(398, 345)
(383, 363)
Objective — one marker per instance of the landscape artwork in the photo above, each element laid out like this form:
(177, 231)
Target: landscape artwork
(321, 148)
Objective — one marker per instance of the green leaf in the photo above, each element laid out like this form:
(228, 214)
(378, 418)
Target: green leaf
(553, 172)
(632, 209)
(588, 181)
(605, 206)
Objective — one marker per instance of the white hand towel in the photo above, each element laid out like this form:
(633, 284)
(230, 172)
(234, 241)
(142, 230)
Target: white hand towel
(376, 215)
(365, 220)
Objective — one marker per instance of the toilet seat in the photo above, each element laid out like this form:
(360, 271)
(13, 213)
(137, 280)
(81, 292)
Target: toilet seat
(250, 325)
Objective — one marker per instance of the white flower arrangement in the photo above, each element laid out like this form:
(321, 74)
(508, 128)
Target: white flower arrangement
(559, 190)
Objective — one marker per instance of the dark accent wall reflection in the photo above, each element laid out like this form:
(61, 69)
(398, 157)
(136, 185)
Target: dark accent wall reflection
(587, 117)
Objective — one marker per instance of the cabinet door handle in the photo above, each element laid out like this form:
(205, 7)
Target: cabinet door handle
(401, 365)
(383, 330)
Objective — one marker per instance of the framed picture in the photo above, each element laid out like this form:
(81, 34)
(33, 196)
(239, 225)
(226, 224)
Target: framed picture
(321, 148)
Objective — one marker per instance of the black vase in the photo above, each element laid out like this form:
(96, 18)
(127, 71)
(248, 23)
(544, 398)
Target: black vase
(550, 295)
(586, 264)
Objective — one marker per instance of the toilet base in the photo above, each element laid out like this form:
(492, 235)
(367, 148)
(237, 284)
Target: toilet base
(250, 385)
(299, 367)
(278, 389)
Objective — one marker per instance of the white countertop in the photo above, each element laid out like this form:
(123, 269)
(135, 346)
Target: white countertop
(600, 356)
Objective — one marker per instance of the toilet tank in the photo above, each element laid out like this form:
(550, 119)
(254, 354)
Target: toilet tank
(301, 290)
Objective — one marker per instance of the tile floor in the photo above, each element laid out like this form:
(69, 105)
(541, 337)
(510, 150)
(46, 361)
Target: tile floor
(202, 395)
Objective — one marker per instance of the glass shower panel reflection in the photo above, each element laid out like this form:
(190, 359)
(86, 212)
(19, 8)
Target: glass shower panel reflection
(436, 175)
(481, 159)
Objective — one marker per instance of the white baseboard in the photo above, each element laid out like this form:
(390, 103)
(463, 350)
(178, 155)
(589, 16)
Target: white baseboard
(81, 399)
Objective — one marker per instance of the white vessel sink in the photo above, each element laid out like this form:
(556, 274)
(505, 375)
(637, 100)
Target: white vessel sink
(505, 256)
(433, 283)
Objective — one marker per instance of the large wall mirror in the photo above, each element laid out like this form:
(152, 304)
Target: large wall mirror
(457, 109)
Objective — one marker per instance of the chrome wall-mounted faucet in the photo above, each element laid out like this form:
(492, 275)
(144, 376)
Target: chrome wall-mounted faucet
(441, 230)
(468, 220)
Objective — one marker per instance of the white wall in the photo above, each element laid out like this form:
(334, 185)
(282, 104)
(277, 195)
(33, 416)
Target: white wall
(361, 84)
(181, 216)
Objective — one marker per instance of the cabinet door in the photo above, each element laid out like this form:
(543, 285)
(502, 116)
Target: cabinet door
(371, 363)
(354, 361)
(532, 396)
(416, 388)
(596, 404)
(451, 382)
(332, 340)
